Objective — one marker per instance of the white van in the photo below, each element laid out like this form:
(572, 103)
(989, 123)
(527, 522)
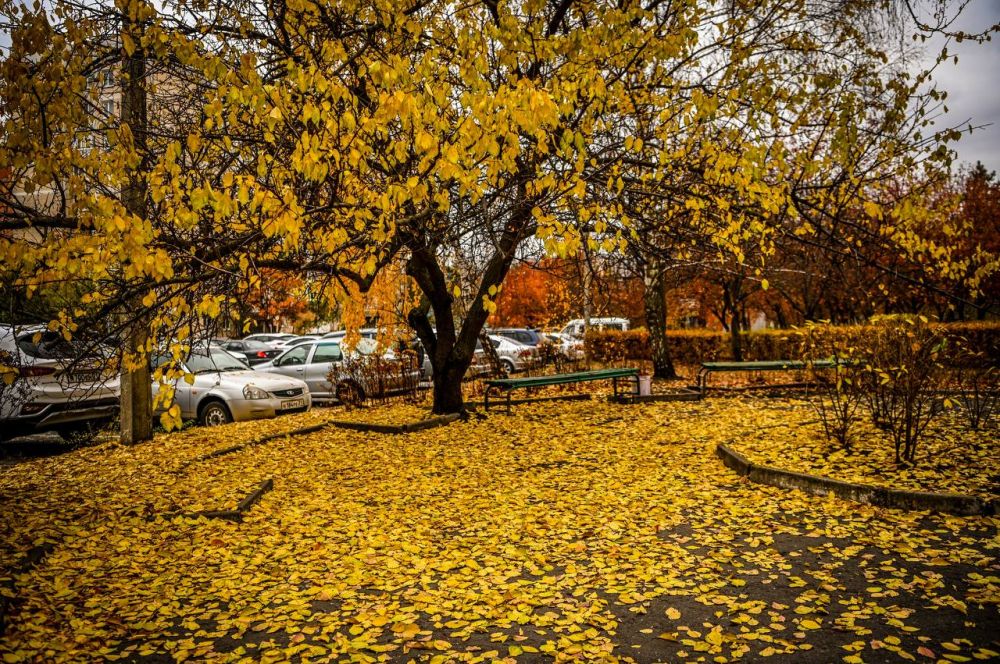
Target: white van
(574, 328)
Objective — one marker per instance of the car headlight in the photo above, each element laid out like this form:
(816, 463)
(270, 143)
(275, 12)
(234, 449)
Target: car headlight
(254, 392)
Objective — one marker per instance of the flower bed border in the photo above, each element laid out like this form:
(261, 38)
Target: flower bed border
(579, 396)
(683, 394)
(419, 425)
(949, 503)
(234, 515)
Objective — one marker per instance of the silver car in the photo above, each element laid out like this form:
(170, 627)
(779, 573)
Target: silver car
(47, 385)
(226, 390)
(316, 362)
(515, 356)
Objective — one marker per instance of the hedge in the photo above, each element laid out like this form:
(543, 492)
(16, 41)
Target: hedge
(696, 346)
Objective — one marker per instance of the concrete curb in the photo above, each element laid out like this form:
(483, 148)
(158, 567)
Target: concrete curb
(948, 503)
(513, 402)
(686, 395)
(420, 425)
(235, 515)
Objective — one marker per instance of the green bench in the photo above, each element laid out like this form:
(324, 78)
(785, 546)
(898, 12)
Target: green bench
(771, 365)
(508, 385)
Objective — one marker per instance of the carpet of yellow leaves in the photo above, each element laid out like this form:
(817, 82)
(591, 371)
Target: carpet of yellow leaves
(951, 458)
(580, 531)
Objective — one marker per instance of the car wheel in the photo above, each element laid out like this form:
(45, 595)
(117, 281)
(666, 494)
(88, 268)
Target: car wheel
(350, 393)
(215, 413)
(508, 366)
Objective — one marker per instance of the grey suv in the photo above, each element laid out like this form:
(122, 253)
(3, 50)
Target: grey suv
(49, 384)
(523, 335)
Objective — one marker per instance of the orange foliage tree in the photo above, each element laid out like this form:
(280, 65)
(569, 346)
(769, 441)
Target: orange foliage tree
(535, 294)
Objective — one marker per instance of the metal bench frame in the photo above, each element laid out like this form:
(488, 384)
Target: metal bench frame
(772, 365)
(508, 385)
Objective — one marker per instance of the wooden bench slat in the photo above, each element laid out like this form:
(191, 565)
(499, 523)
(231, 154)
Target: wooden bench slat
(767, 365)
(558, 379)
(509, 384)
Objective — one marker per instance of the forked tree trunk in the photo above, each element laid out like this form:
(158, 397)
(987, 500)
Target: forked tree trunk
(136, 385)
(655, 304)
(448, 388)
(451, 348)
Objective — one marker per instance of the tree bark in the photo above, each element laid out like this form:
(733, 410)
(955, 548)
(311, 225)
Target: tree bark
(731, 305)
(655, 304)
(451, 349)
(136, 385)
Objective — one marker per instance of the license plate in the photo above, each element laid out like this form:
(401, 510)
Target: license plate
(85, 376)
(293, 403)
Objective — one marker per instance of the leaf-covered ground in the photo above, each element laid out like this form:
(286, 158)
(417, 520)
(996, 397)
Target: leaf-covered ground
(579, 531)
(950, 456)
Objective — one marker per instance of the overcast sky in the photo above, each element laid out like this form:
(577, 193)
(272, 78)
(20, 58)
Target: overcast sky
(973, 86)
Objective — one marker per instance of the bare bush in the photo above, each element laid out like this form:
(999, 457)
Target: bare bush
(838, 389)
(375, 377)
(903, 373)
(978, 383)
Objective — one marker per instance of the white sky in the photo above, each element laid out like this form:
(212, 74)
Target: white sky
(973, 86)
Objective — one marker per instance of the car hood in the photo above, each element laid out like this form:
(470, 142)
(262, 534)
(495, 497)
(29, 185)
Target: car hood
(266, 381)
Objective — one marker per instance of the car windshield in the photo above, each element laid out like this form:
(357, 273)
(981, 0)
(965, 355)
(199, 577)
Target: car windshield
(253, 344)
(214, 360)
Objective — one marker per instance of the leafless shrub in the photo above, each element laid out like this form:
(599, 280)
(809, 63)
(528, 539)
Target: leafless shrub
(376, 378)
(978, 383)
(903, 373)
(838, 389)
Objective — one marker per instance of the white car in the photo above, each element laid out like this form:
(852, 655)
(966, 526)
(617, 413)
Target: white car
(314, 363)
(574, 328)
(514, 356)
(226, 390)
(50, 386)
(273, 339)
(570, 348)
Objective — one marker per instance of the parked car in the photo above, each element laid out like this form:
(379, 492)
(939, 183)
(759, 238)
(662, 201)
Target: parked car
(567, 347)
(514, 356)
(365, 332)
(522, 335)
(574, 328)
(298, 341)
(255, 352)
(315, 362)
(52, 385)
(480, 365)
(226, 390)
(273, 339)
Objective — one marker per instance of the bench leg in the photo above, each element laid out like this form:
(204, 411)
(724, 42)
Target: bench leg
(486, 399)
(702, 377)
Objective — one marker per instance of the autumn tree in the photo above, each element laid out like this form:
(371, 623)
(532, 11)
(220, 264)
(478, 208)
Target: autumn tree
(339, 139)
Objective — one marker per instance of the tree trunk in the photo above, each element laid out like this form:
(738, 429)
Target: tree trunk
(736, 341)
(136, 384)
(655, 304)
(731, 306)
(136, 396)
(448, 388)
